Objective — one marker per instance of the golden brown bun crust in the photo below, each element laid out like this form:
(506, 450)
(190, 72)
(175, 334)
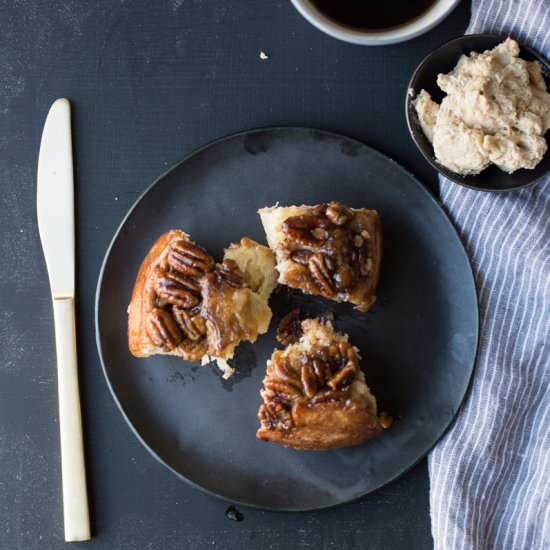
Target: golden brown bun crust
(325, 426)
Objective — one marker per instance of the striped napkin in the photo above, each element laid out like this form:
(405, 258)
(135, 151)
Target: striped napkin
(490, 475)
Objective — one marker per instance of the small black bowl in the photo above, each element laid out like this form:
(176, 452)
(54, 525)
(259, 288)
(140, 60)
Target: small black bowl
(443, 60)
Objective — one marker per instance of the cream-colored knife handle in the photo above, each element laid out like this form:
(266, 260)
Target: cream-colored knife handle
(73, 472)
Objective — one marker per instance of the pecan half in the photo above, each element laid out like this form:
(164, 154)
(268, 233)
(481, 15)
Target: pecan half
(194, 310)
(274, 415)
(309, 380)
(320, 234)
(285, 373)
(322, 370)
(193, 326)
(347, 372)
(289, 330)
(344, 278)
(338, 214)
(319, 211)
(321, 274)
(301, 229)
(329, 395)
(361, 256)
(231, 274)
(162, 329)
(178, 290)
(301, 256)
(277, 390)
(190, 259)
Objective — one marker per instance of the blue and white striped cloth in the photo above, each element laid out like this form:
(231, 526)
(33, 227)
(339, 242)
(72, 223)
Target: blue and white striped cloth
(490, 475)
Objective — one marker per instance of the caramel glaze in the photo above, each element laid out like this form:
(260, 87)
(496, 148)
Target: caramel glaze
(219, 292)
(184, 276)
(334, 252)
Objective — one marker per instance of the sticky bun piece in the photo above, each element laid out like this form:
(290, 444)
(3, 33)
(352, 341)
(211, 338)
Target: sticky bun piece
(184, 304)
(329, 249)
(314, 392)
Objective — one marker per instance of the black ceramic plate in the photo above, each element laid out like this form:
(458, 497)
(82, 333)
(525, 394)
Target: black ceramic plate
(418, 342)
(443, 60)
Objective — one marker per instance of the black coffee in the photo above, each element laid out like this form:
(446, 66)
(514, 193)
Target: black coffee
(373, 14)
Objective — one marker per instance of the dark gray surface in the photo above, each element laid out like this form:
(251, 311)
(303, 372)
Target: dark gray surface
(149, 83)
(203, 428)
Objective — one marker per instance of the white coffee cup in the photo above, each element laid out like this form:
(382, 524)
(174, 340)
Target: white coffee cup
(429, 19)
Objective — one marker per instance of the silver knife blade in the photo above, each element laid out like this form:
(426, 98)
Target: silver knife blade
(55, 199)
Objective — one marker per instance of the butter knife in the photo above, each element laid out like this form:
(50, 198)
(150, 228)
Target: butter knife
(55, 209)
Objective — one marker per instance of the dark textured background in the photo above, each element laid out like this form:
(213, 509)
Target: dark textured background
(150, 81)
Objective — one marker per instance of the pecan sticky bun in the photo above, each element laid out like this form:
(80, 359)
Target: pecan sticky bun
(314, 392)
(330, 250)
(185, 304)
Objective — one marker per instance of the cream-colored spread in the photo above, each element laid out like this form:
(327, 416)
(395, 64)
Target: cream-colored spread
(496, 111)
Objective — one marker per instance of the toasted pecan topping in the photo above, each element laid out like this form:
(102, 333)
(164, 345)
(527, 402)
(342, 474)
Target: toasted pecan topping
(278, 390)
(320, 272)
(344, 277)
(177, 289)
(274, 415)
(190, 259)
(193, 326)
(289, 330)
(322, 374)
(309, 380)
(343, 376)
(231, 274)
(162, 329)
(337, 253)
(286, 372)
(329, 395)
(301, 229)
(314, 395)
(322, 369)
(337, 213)
(301, 256)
